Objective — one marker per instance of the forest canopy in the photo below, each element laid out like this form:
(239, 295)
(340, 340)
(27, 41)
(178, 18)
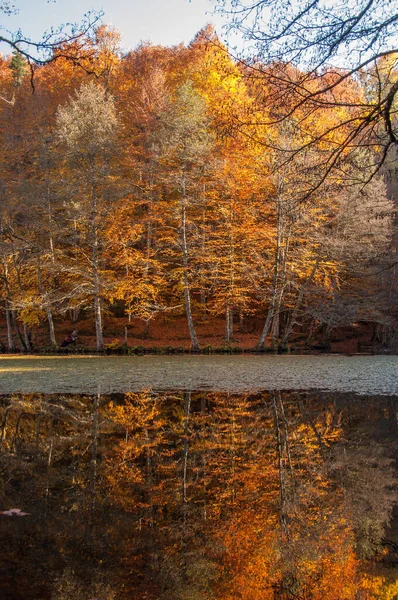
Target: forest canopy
(180, 181)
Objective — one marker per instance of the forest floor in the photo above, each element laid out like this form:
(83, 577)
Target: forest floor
(171, 334)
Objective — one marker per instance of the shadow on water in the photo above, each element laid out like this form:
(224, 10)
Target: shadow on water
(187, 495)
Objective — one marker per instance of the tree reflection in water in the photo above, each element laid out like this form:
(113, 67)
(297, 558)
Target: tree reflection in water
(198, 496)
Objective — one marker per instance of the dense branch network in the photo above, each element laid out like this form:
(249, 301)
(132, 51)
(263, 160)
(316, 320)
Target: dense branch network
(51, 46)
(306, 55)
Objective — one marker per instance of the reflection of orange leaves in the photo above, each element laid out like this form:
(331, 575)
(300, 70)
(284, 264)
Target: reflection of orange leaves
(138, 411)
(319, 578)
(249, 568)
(125, 470)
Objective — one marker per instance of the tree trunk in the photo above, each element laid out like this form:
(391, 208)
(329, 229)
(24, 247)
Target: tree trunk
(187, 292)
(10, 339)
(145, 333)
(96, 273)
(28, 345)
(50, 223)
(297, 307)
(17, 331)
(229, 325)
(241, 321)
(26, 336)
(10, 316)
(277, 267)
(47, 304)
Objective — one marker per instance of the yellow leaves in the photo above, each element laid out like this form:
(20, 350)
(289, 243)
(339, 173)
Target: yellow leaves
(374, 587)
(31, 315)
(390, 591)
(371, 585)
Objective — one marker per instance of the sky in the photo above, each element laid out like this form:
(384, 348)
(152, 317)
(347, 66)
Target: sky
(165, 22)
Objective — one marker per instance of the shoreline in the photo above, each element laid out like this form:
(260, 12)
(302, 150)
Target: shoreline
(206, 351)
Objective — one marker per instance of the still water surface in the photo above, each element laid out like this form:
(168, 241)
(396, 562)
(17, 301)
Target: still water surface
(359, 374)
(227, 486)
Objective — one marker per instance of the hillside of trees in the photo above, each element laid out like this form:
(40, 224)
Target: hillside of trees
(161, 184)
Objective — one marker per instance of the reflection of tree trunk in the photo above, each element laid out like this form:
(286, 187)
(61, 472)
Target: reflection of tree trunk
(393, 416)
(279, 456)
(204, 463)
(93, 471)
(286, 433)
(187, 291)
(94, 452)
(233, 458)
(16, 432)
(47, 492)
(187, 397)
(39, 417)
(149, 475)
(4, 425)
(309, 419)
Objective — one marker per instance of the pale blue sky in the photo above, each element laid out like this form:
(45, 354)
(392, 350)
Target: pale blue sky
(166, 22)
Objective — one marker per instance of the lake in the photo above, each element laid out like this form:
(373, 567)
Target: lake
(198, 478)
(359, 374)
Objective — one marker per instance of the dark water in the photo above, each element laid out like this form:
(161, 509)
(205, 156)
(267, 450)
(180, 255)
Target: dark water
(198, 496)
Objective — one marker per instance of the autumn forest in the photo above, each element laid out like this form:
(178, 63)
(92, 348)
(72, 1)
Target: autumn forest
(192, 200)
(153, 185)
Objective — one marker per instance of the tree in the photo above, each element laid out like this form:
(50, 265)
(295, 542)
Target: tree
(186, 144)
(87, 128)
(142, 96)
(310, 54)
(356, 248)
